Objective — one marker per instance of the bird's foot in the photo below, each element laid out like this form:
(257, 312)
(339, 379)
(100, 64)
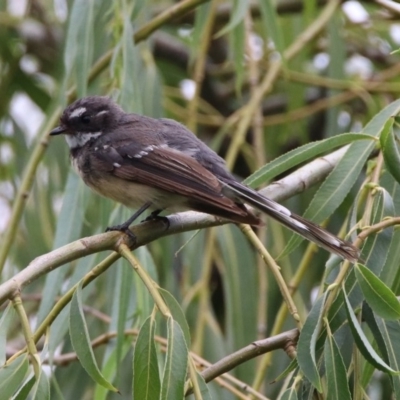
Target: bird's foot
(154, 217)
(122, 228)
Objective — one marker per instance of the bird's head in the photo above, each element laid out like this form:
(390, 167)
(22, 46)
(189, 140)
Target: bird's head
(87, 118)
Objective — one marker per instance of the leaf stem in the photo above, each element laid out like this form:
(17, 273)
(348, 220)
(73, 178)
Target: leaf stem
(125, 252)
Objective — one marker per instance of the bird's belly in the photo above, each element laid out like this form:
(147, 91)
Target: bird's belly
(134, 195)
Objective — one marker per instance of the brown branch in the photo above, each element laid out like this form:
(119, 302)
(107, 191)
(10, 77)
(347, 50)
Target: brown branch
(249, 352)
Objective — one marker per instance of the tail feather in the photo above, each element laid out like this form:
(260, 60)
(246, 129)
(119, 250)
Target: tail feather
(303, 227)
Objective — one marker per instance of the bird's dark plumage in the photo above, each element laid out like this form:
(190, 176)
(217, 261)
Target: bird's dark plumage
(138, 160)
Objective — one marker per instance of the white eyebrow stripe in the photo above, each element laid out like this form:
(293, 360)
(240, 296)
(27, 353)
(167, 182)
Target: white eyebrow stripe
(116, 165)
(78, 112)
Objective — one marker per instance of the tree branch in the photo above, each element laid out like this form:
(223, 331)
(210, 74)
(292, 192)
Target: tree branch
(149, 231)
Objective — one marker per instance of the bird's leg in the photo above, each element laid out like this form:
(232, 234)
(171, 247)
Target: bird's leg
(124, 227)
(154, 216)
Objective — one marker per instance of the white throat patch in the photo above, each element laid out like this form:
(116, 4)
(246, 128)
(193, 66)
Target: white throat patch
(79, 139)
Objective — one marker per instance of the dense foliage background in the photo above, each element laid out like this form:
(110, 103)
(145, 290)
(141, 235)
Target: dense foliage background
(255, 81)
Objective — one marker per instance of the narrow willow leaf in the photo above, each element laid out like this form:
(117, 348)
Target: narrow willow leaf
(177, 314)
(270, 21)
(362, 342)
(120, 306)
(59, 328)
(307, 343)
(343, 177)
(297, 156)
(337, 51)
(380, 298)
(71, 37)
(69, 225)
(131, 66)
(12, 376)
(175, 368)
(205, 392)
(390, 273)
(81, 341)
(145, 302)
(26, 388)
(110, 369)
(390, 332)
(376, 247)
(389, 149)
(377, 123)
(335, 188)
(146, 377)
(42, 387)
(336, 375)
(371, 320)
(289, 394)
(291, 367)
(237, 16)
(237, 43)
(84, 51)
(138, 7)
(202, 13)
(239, 298)
(5, 320)
(374, 253)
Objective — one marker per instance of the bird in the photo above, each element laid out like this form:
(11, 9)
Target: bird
(158, 164)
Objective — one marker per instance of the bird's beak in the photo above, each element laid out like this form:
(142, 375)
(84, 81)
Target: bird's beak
(58, 130)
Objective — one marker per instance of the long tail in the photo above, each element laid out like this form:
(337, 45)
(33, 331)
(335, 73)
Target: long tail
(304, 228)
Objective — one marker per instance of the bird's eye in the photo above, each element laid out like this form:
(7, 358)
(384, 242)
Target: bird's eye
(85, 119)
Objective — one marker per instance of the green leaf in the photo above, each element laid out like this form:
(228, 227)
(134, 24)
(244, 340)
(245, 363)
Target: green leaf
(84, 51)
(110, 369)
(300, 155)
(81, 341)
(144, 301)
(390, 332)
(146, 378)
(69, 225)
(390, 273)
(371, 320)
(237, 45)
(177, 314)
(202, 13)
(237, 16)
(335, 188)
(120, 304)
(291, 367)
(289, 394)
(270, 21)
(5, 320)
(389, 149)
(175, 364)
(375, 249)
(307, 343)
(380, 298)
(239, 299)
(131, 96)
(60, 327)
(205, 392)
(42, 387)
(336, 375)
(12, 376)
(343, 177)
(26, 388)
(362, 342)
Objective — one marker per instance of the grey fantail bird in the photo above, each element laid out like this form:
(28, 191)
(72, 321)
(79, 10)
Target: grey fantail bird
(159, 164)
